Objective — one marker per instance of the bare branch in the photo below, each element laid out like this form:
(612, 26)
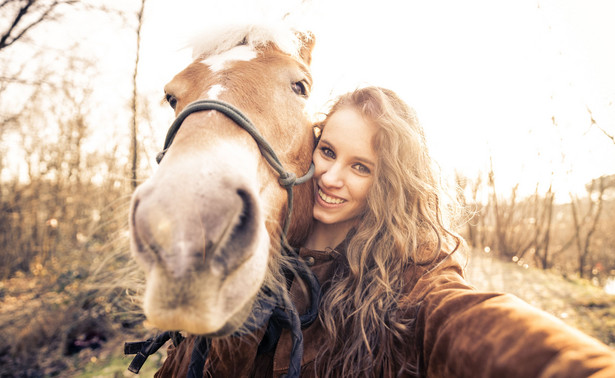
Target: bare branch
(4, 40)
(5, 2)
(16, 80)
(19, 27)
(611, 137)
(594, 123)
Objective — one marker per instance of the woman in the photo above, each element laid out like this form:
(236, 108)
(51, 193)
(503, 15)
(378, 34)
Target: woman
(391, 202)
(394, 301)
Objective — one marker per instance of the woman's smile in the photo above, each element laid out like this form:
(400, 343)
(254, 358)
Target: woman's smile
(344, 162)
(329, 199)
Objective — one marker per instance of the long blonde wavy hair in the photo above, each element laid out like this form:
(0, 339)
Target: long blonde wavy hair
(402, 225)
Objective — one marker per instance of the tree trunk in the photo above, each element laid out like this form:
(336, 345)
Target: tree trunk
(134, 161)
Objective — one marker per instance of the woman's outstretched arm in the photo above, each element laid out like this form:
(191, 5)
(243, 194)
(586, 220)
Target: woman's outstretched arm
(462, 332)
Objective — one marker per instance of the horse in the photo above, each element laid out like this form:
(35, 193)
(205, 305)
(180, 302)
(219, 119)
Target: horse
(206, 226)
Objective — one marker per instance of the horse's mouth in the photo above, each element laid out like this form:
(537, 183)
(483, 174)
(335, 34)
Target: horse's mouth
(199, 303)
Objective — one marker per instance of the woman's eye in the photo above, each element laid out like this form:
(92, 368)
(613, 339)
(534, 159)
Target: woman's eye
(171, 100)
(328, 152)
(362, 169)
(299, 88)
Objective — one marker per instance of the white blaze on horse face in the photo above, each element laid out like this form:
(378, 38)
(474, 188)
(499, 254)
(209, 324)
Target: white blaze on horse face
(218, 62)
(215, 91)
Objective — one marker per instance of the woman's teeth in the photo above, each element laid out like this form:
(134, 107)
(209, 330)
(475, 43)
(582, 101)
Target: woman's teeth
(327, 199)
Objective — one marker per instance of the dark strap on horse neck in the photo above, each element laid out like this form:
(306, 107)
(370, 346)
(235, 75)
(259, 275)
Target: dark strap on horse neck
(284, 316)
(144, 349)
(200, 351)
(287, 179)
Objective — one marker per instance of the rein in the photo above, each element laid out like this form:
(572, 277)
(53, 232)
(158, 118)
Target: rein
(277, 308)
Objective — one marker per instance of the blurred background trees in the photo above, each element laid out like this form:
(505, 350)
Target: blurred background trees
(67, 167)
(64, 184)
(59, 179)
(574, 237)
(74, 143)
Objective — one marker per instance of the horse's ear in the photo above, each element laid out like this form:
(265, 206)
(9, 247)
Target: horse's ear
(307, 45)
(317, 129)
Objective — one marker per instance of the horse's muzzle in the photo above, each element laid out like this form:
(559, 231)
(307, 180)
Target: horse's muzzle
(186, 227)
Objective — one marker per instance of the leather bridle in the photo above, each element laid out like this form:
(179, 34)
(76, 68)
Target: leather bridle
(287, 179)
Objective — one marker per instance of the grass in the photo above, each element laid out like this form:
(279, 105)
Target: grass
(116, 365)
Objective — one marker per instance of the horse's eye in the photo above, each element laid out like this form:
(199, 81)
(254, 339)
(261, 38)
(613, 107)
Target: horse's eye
(171, 100)
(299, 88)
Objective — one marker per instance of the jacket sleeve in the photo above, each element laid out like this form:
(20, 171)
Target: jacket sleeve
(462, 332)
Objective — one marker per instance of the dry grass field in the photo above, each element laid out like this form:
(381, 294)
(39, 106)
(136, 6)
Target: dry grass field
(61, 327)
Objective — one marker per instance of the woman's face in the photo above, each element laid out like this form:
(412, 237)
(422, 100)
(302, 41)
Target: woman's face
(345, 165)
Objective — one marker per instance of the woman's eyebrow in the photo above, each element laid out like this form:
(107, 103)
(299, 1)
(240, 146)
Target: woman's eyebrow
(324, 141)
(364, 160)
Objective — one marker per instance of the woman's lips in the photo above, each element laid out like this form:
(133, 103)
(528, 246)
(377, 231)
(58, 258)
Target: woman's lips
(329, 200)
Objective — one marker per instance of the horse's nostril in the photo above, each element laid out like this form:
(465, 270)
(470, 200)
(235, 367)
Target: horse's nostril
(147, 233)
(239, 244)
(246, 219)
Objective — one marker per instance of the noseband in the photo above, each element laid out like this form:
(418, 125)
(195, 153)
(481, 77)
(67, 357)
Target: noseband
(287, 179)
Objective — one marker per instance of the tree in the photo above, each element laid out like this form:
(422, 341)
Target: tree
(521, 227)
(585, 226)
(25, 15)
(543, 216)
(133, 130)
(506, 220)
(474, 209)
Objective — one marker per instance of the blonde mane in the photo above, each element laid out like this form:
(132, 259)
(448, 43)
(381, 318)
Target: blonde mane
(217, 40)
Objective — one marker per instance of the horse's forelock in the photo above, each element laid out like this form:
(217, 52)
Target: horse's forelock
(220, 39)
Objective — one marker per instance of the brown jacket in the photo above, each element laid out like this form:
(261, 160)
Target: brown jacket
(460, 332)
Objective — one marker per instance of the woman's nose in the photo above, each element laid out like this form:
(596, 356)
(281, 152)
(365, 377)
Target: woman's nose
(332, 177)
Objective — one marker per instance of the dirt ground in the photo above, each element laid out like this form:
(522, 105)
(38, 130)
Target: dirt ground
(50, 328)
(576, 302)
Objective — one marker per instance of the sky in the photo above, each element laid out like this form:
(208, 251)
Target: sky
(508, 82)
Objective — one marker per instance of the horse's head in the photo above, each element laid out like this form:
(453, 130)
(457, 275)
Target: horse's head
(206, 224)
